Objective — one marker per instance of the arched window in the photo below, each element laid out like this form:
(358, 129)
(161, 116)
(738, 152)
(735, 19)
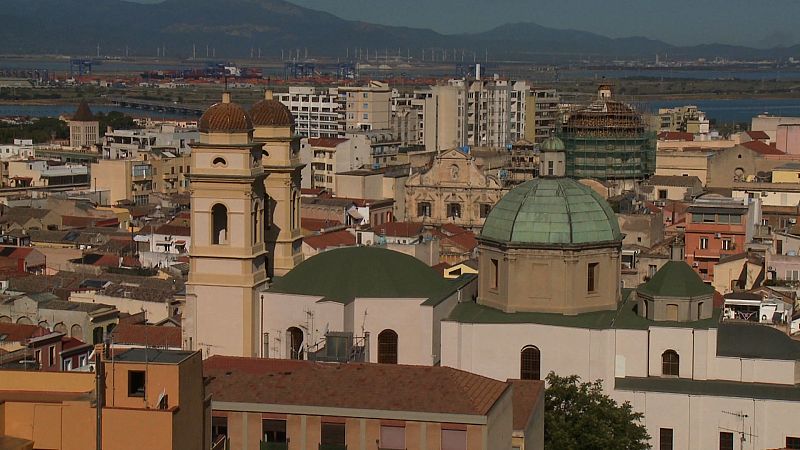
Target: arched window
(219, 219)
(530, 367)
(24, 321)
(219, 162)
(44, 324)
(60, 328)
(387, 347)
(295, 340)
(5, 319)
(76, 331)
(670, 363)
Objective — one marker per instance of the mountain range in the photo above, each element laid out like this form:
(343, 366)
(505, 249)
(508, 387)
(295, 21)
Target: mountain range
(234, 27)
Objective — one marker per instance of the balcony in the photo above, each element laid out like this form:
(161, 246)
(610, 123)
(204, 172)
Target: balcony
(339, 346)
(274, 446)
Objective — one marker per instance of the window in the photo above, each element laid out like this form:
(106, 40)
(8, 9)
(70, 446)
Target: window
(136, 383)
(37, 355)
(219, 219)
(792, 442)
(651, 270)
(454, 210)
(423, 209)
(591, 277)
(703, 243)
(551, 170)
(219, 162)
(51, 355)
(274, 430)
(332, 436)
(670, 363)
(454, 440)
(727, 244)
(485, 210)
(295, 340)
(662, 194)
(779, 247)
(530, 363)
(665, 439)
(725, 440)
(393, 438)
(672, 312)
(495, 273)
(387, 347)
(219, 427)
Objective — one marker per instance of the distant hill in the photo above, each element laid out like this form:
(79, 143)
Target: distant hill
(233, 27)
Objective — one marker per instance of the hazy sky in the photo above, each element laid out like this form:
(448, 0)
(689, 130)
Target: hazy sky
(756, 23)
(683, 22)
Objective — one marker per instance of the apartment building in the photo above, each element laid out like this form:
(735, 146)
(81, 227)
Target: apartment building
(134, 180)
(541, 115)
(687, 119)
(123, 144)
(318, 113)
(367, 107)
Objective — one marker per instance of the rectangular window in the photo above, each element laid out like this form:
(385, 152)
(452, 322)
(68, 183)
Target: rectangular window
(333, 436)
(219, 427)
(703, 243)
(51, 355)
(591, 277)
(662, 194)
(485, 210)
(727, 244)
(551, 170)
(38, 356)
(454, 440)
(725, 440)
(454, 210)
(136, 383)
(665, 439)
(274, 430)
(792, 442)
(651, 270)
(393, 438)
(779, 247)
(495, 273)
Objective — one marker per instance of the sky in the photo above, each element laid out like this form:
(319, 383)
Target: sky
(754, 23)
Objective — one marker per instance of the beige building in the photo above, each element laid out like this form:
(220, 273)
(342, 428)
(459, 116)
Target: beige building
(84, 129)
(541, 114)
(228, 254)
(274, 128)
(134, 180)
(453, 190)
(367, 107)
(683, 163)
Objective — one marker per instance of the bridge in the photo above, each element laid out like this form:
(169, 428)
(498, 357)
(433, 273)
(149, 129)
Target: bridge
(151, 105)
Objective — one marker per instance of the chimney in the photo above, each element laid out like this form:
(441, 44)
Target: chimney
(226, 97)
(268, 94)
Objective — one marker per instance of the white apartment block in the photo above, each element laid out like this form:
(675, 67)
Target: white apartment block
(318, 113)
(124, 144)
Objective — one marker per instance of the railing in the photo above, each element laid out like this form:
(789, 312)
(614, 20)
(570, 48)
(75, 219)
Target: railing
(340, 347)
(274, 445)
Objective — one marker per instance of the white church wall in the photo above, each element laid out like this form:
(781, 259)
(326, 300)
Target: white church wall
(411, 322)
(283, 311)
(677, 339)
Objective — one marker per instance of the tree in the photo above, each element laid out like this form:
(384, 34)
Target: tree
(579, 416)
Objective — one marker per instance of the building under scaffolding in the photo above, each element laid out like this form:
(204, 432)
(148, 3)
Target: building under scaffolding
(608, 141)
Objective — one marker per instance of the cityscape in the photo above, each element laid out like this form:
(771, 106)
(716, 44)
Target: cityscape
(255, 225)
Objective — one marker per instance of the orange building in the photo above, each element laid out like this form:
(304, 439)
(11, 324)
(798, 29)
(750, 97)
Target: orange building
(716, 227)
(304, 405)
(152, 399)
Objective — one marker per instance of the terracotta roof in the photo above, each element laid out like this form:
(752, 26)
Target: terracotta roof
(355, 385)
(15, 332)
(341, 238)
(83, 113)
(225, 117)
(675, 136)
(758, 135)
(174, 230)
(762, 148)
(399, 229)
(527, 393)
(271, 113)
(452, 229)
(325, 142)
(310, 224)
(147, 335)
(68, 343)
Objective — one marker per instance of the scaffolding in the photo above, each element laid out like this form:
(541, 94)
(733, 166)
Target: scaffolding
(608, 140)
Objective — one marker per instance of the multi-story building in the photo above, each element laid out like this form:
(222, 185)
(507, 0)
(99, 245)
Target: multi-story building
(84, 129)
(124, 144)
(541, 115)
(133, 180)
(324, 157)
(717, 227)
(42, 173)
(687, 119)
(318, 113)
(367, 107)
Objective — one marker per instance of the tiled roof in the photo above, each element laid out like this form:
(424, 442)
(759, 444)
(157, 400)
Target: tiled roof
(675, 136)
(762, 148)
(341, 238)
(224, 117)
(83, 113)
(310, 224)
(673, 180)
(271, 112)
(326, 142)
(14, 332)
(526, 394)
(147, 335)
(675, 279)
(173, 230)
(399, 229)
(385, 387)
(758, 135)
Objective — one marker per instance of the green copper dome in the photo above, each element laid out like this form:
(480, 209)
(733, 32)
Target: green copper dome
(553, 144)
(551, 212)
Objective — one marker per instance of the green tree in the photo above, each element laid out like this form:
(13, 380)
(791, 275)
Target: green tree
(579, 416)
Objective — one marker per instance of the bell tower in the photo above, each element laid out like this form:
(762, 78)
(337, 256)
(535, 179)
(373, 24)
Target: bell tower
(227, 256)
(274, 131)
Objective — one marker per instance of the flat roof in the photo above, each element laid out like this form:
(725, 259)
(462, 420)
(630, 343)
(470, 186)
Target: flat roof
(152, 355)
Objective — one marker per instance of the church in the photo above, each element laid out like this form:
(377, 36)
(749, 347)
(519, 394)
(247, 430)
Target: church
(547, 297)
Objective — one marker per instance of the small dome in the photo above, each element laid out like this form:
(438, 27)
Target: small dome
(362, 272)
(553, 144)
(271, 113)
(225, 117)
(551, 212)
(83, 113)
